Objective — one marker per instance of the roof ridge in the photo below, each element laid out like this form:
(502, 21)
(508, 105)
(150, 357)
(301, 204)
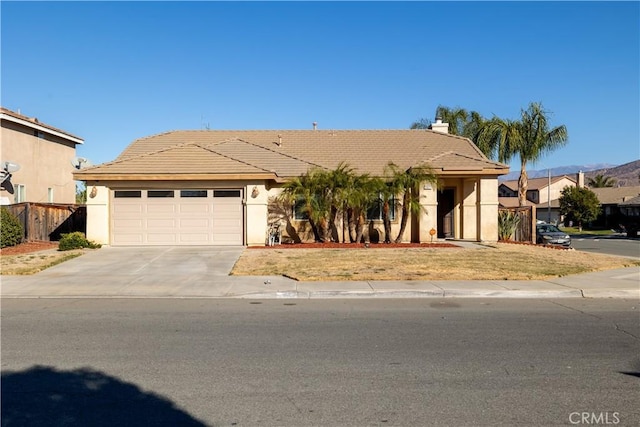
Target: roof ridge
(234, 159)
(261, 147)
(148, 153)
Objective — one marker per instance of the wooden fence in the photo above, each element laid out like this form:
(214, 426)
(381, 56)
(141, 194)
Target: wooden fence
(525, 232)
(47, 221)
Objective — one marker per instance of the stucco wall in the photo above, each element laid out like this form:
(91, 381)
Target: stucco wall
(98, 213)
(488, 218)
(45, 163)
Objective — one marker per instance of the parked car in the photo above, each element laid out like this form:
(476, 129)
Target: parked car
(549, 234)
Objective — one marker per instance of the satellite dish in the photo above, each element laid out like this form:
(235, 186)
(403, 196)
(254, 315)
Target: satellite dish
(7, 169)
(81, 162)
(7, 185)
(10, 167)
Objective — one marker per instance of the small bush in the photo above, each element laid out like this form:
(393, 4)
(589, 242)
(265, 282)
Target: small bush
(75, 240)
(10, 229)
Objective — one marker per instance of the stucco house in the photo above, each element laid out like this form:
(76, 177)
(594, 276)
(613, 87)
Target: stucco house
(219, 187)
(543, 193)
(44, 154)
(611, 202)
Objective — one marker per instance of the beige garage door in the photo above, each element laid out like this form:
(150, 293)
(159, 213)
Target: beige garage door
(176, 217)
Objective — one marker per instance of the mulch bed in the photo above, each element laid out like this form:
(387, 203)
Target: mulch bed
(28, 247)
(334, 245)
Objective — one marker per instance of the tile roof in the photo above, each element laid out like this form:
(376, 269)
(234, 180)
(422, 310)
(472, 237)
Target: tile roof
(631, 202)
(536, 183)
(32, 121)
(615, 195)
(288, 153)
(511, 202)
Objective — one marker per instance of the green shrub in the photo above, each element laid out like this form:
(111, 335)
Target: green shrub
(507, 224)
(10, 229)
(75, 240)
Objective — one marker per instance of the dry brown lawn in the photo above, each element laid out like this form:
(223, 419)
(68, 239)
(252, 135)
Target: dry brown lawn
(498, 261)
(31, 263)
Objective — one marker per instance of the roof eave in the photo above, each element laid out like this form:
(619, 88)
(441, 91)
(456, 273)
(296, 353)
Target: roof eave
(89, 176)
(40, 127)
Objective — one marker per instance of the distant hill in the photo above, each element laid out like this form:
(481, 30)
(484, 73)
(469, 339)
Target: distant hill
(627, 175)
(560, 170)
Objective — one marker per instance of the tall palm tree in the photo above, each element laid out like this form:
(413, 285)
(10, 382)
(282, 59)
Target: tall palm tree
(601, 181)
(409, 181)
(528, 138)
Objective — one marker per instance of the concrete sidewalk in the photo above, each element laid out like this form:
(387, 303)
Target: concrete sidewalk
(203, 273)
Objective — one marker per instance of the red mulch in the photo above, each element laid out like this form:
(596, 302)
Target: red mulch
(28, 247)
(334, 245)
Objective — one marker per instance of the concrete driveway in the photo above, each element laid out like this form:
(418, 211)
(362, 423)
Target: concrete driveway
(144, 271)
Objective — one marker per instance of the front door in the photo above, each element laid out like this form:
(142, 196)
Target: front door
(446, 204)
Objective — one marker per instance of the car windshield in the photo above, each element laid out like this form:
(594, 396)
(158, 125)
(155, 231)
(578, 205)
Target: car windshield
(548, 228)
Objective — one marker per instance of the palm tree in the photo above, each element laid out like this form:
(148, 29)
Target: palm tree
(307, 190)
(468, 124)
(338, 182)
(601, 181)
(529, 138)
(359, 197)
(409, 181)
(456, 117)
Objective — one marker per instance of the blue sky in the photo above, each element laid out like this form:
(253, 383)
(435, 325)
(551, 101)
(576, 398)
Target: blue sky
(111, 72)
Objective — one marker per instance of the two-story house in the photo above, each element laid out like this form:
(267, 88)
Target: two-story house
(44, 154)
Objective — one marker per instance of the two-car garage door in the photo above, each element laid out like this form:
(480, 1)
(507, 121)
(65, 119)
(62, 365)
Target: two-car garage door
(177, 217)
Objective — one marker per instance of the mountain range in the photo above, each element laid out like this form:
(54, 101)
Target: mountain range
(626, 175)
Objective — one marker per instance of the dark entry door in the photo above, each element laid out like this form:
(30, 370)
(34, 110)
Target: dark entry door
(446, 203)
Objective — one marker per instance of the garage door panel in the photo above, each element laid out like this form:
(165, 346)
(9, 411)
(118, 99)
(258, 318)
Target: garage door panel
(195, 238)
(187, 223)
(164, 209)
(203, 209)
(168, 223)
(124, 238)
(161, 238)
(126, 223)
(127, 208)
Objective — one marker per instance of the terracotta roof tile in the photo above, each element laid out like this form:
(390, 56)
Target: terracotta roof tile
(292, 152)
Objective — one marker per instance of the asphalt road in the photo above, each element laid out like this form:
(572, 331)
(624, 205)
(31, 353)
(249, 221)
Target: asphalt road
(191, 362)
(614, 245)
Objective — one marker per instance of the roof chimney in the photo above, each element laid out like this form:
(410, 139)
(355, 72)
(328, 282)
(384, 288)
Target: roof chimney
(315, 125)
(279, 140)
(438, 126)
(580, 179)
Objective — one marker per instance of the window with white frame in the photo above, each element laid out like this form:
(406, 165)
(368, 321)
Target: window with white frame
(20, 193)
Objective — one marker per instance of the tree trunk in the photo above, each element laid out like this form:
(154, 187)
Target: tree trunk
(351, 225)
(387, 222)
(314, 228)
(359, 227)
(522, 184)
(405, 215)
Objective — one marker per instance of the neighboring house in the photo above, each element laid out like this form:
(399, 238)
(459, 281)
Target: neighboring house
(544, 193)
(630, 211)
(213, 187)
(44, 154)
(611, 200)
